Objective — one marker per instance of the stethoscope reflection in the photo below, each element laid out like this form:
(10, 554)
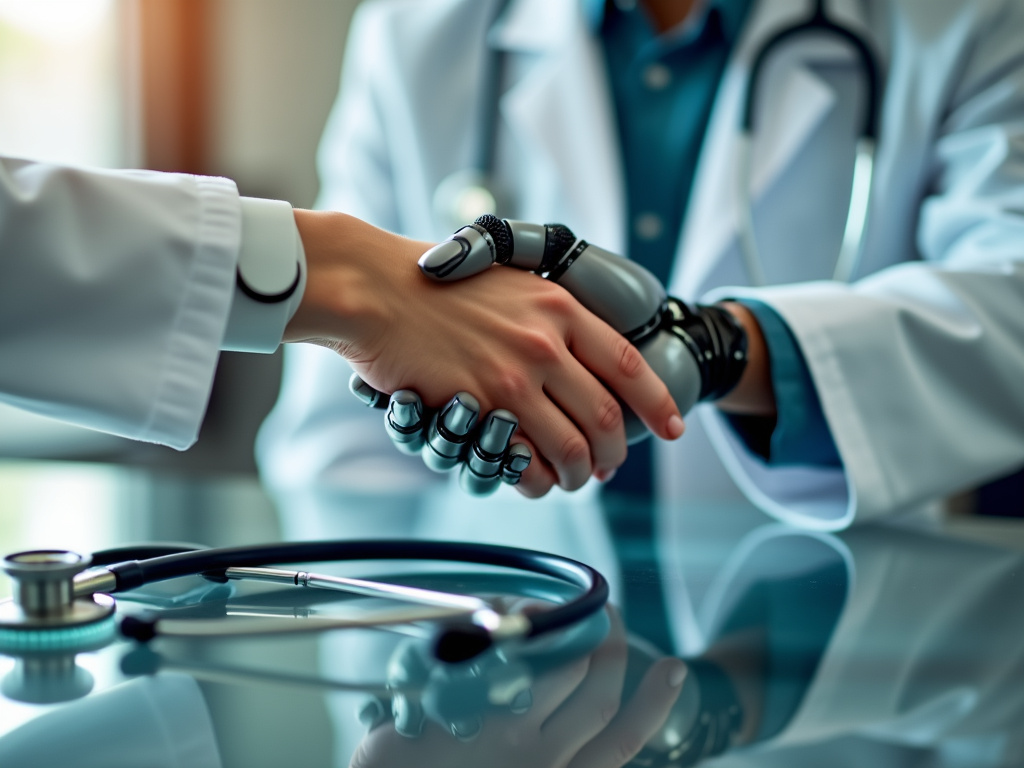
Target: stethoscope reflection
(894, 636)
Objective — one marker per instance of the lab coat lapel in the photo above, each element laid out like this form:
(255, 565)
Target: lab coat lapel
(799, 100)
(561, 114)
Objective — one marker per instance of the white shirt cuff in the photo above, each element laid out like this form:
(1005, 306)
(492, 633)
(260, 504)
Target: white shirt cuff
(271, 277)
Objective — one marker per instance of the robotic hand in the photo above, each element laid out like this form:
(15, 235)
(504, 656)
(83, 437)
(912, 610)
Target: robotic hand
(452, 436)
(699, 351)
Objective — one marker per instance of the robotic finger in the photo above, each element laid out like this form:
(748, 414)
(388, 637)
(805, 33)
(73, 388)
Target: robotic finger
(406, 421)
(515, 463)
(482, 473)
(366, 394)
(450, 433)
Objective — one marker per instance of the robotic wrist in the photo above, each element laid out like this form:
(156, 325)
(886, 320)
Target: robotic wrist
(716, 340)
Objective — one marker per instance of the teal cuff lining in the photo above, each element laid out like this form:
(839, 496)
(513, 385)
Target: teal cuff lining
(801, 434)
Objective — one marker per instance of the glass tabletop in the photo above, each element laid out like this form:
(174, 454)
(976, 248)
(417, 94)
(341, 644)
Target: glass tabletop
(729, 640)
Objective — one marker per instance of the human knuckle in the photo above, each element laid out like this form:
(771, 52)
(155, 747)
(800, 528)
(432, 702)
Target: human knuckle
(631, 362)
(556, 300)
(513, 384)
(574, 449)
(609, 414)
(540, 347)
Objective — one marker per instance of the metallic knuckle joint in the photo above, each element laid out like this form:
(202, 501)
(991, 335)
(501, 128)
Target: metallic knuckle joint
(405, 421)
(481, 474)
(518, 459)
(527, 245)
(450, 432)
(366, 394)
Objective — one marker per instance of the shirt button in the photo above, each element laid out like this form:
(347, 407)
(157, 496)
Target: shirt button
(648, 226)
(657, 77)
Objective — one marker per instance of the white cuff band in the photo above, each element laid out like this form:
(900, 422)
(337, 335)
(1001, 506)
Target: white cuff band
(271, 277)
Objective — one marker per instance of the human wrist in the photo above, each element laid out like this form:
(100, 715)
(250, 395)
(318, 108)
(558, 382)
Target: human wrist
(356, 274)
(753, 394)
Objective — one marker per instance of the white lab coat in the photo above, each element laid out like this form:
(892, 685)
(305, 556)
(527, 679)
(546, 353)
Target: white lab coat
(115, 290)
(918, 363)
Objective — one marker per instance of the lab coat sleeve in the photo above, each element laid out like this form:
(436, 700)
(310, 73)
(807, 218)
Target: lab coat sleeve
(318, 432)
(115, 288)
(920, 366)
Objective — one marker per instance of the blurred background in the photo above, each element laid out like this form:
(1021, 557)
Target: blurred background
(239, 88)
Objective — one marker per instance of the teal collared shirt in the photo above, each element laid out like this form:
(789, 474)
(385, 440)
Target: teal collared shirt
(664, 87)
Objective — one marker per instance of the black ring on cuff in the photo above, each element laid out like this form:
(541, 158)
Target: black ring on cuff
(265, 298)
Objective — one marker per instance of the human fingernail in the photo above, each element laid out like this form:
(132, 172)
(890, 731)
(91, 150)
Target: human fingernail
(675, 426)
(604, 475)
(676, 675)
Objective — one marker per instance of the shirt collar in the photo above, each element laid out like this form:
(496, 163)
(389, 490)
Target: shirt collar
(732, 13)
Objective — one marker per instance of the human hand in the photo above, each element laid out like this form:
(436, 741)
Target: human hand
(514, 341)
(700, 352)
(577, 719)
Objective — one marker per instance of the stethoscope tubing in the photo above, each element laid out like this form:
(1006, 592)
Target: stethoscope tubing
(820, 23)
(135, 572)
(867, 138)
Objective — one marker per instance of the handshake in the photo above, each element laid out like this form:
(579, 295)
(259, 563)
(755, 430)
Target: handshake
(698, 351)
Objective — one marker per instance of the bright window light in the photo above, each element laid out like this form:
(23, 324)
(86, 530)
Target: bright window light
(60, 81)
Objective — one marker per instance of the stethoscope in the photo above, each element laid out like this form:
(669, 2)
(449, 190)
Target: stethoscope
(466, 194)
(63, 598)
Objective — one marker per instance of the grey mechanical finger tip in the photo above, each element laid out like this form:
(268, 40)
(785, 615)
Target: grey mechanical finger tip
(405, 422)
(517, 461)
(450, 431)
(366, 394)
(497, 430)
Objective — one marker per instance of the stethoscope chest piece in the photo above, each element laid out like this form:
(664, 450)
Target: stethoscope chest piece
(44, 612)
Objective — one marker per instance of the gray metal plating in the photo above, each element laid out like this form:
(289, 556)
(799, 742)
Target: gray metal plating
(519, 458)
(468, 252)
(367, 395)
(405, 422)
(450, 433)
(527, 244)
(619, 291)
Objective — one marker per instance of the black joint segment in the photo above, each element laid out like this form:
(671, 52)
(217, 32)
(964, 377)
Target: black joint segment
(139, 629)
(717, 342)
(461, 642)
(661, 321)
(557, 272)
(500, 233)
(558, 239)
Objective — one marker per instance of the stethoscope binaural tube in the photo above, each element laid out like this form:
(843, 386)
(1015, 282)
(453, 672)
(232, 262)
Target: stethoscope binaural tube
(867, 140)
(457, 640)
